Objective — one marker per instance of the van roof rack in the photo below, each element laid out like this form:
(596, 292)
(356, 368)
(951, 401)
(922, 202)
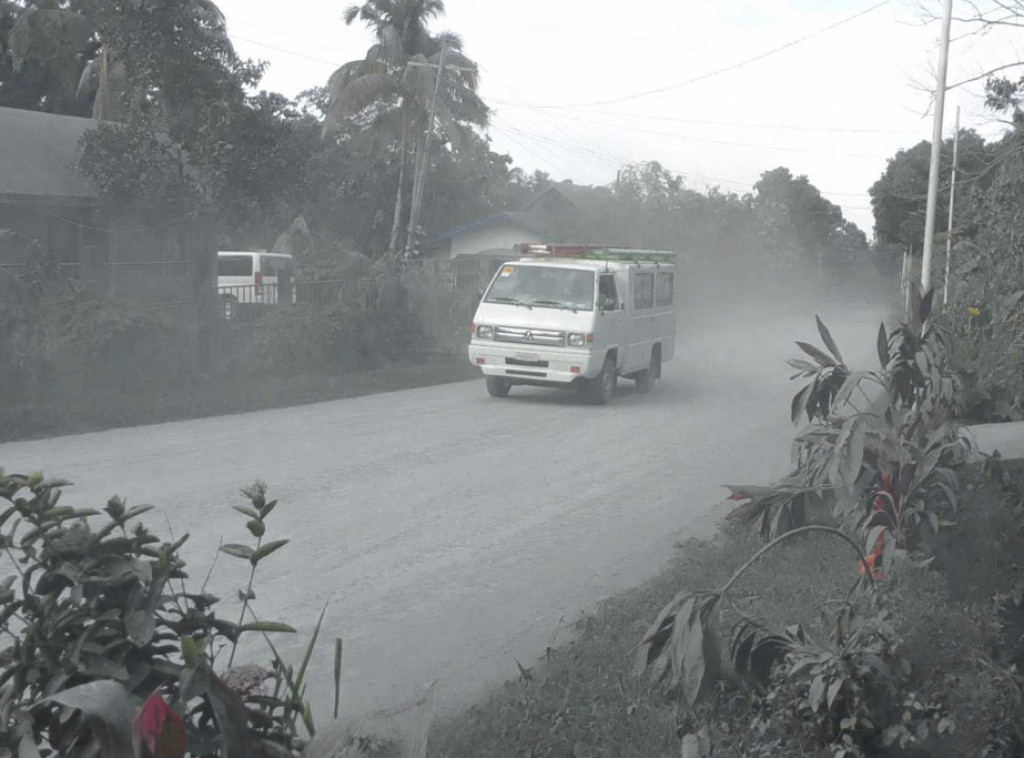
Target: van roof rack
(595, 253)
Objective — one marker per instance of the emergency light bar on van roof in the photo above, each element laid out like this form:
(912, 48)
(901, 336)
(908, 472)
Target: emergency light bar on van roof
(596, 252)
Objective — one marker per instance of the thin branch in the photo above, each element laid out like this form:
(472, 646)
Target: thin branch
(984, 75)
(220, 543)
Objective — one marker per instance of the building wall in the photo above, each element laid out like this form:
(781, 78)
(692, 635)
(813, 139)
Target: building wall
(496, 237)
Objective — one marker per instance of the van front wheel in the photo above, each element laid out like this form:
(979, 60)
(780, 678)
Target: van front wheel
(601, 389)
(498, 386)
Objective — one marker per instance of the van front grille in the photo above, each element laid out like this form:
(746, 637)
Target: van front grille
(528, 336)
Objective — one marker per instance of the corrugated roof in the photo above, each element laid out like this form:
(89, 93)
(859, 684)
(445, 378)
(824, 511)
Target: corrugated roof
(37, 154)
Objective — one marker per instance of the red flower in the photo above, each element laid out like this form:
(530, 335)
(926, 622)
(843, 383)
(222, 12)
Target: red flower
(160, 729)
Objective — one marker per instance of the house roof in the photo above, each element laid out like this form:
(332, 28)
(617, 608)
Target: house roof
(583, 198)
(513, 217)
(37, 154)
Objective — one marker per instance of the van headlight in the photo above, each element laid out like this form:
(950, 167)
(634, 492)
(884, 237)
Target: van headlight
(577, 340)
(484, 332)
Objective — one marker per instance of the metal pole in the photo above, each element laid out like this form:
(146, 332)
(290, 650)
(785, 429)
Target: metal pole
(904, 275)
(949, 223)
(933, 171)
(418, 180)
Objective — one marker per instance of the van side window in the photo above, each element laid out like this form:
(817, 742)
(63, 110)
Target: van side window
(666, 288)
(643, 292)
(234, 265)
(607, 295)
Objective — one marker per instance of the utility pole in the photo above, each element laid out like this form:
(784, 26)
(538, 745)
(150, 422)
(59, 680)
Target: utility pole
(905, 276)
(420, 166)
(101, 111)
(821, 254)
(933, 171)
(949, 224)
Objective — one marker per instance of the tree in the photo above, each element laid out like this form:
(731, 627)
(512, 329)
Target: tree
(43, 47)
(107, 52)
(898, 197)
(384, 99)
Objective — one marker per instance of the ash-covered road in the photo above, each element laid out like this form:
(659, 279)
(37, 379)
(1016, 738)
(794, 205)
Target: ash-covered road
(449, 532)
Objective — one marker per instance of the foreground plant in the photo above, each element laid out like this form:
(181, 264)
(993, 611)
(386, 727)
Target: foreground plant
(879, 445)
(100, 619)
(681, 645)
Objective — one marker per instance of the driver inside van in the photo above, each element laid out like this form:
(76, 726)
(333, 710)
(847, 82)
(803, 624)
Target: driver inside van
(606, 300)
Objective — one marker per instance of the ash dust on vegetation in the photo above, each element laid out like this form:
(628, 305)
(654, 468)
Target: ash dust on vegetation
(586, 699)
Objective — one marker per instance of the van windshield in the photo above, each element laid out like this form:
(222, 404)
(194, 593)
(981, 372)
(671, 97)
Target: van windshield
(543, 287)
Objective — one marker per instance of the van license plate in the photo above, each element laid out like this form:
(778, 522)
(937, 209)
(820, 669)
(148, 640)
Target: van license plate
(527, 357)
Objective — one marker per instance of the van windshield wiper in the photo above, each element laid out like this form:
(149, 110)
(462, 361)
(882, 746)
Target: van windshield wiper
(509, 300)
(555, 304)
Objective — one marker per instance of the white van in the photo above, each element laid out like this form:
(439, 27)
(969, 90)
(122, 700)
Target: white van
(577, 316)
(250, 279)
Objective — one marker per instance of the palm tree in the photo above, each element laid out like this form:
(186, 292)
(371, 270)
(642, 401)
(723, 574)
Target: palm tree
(385, 97)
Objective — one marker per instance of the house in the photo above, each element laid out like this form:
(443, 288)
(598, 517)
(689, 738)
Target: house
(49, 209)
(560, 212)
(42, 197)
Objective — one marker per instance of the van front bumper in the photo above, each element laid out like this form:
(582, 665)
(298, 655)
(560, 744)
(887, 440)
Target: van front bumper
(534, 365)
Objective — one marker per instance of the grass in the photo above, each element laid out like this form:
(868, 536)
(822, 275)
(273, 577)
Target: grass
(105, 409)
(586, 700)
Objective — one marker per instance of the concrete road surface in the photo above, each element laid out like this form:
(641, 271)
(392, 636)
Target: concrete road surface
(450, 533)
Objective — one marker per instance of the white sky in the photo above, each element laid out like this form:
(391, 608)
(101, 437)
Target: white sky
(865, 75)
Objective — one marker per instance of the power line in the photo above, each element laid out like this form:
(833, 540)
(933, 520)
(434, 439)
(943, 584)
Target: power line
(613, 162)
(544, 144)
(543, 115)
(716, 141)
(536, 155)
(746, 125)
(685, 174)
(286, 51)
(715, 72)
(305, 42)
(507, 131)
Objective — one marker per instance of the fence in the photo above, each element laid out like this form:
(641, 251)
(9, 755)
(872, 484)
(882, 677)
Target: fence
(145, 284)
(246, 303)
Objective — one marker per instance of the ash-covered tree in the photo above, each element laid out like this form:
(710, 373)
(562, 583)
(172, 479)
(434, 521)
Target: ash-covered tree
(382, 101)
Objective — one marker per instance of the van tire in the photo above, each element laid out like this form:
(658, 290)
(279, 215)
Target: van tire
(601, 389)
(645, 379)
(498, 386)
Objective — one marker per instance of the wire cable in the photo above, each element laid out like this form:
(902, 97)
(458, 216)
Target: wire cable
(716, 72)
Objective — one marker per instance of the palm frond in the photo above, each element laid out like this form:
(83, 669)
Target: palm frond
(366, 90)
(351, 14)
(350, 72)
(449, 39)
(392, 50)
